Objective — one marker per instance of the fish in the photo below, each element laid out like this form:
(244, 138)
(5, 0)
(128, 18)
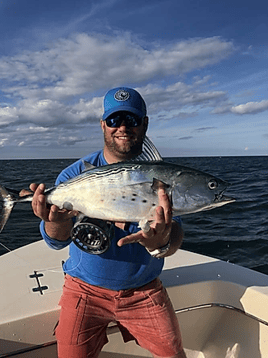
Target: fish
(128, 192)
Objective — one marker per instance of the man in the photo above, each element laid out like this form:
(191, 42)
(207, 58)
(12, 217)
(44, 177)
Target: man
(122, 283)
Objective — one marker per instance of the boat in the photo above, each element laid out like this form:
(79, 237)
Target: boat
(222, 308)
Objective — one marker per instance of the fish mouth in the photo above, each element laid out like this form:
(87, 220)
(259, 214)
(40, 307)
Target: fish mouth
(223, 199)
(218, 197)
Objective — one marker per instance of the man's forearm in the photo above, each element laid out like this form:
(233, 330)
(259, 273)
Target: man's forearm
(59, 231)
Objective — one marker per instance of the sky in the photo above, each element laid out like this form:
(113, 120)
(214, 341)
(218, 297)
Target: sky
(201, 67)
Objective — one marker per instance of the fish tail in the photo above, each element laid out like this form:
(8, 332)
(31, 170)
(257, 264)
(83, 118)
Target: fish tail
(7, 203)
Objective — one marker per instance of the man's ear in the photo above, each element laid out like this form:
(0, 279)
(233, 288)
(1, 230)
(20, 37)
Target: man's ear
(102, 124)
(145, 124)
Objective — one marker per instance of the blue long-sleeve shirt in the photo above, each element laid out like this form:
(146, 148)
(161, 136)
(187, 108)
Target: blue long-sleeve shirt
(119, 268)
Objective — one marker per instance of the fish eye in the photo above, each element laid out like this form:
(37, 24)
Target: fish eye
(212, 184)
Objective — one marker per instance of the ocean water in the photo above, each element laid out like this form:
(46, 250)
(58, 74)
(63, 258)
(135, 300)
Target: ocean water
(237, 233)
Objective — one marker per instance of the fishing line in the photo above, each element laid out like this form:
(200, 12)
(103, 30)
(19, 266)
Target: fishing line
(45, 269)
(21, 258)
(69, 270)
(5, 247)
(18, 256)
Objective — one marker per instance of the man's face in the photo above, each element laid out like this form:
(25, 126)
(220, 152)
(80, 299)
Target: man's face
(124, 142)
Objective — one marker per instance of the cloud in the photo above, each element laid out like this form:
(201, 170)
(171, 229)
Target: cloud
(186, 138)
(48, 113)
(250, 108)
(33, 136)
(241, 109)
(203, 129)
(180, 95)
(86, 63)
(55, 95)
(37, 85)
(3, 141)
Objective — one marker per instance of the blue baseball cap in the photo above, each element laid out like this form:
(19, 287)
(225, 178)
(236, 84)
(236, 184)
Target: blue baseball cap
(123, 99)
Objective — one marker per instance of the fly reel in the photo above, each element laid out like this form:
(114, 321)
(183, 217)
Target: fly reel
(92, 235)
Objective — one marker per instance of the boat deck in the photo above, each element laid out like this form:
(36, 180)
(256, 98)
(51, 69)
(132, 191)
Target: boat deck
(222, 308)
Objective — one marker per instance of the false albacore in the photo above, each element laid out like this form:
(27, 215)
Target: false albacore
(127, 192)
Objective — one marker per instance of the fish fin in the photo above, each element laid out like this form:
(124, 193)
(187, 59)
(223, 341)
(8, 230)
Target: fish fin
(87, 166)
(158, 184)
(7, 203)
(149, 152)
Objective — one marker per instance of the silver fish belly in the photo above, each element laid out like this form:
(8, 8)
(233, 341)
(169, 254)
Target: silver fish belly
(112, 193)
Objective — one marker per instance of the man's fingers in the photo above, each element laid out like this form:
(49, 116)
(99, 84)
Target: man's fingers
(34, 186)
(40, 207)
(53, 213)
(164, 202)
(39, 189)
(130, 239)
(25, 192)
(39, 201)
(161, 221)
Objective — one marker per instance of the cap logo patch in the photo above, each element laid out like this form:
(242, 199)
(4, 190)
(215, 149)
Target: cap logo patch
(121, 95)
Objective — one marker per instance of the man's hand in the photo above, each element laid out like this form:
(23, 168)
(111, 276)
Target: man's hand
(159, 233)
(58, 222)
(48, 213)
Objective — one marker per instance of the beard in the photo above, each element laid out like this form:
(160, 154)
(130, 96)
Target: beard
(125, 150)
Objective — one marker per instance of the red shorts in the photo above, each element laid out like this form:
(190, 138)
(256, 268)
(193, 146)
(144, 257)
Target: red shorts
(144, 314)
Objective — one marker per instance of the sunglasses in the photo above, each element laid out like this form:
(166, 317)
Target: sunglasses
(130, 120)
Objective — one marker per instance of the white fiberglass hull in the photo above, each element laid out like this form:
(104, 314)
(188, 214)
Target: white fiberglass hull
(222, 308)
